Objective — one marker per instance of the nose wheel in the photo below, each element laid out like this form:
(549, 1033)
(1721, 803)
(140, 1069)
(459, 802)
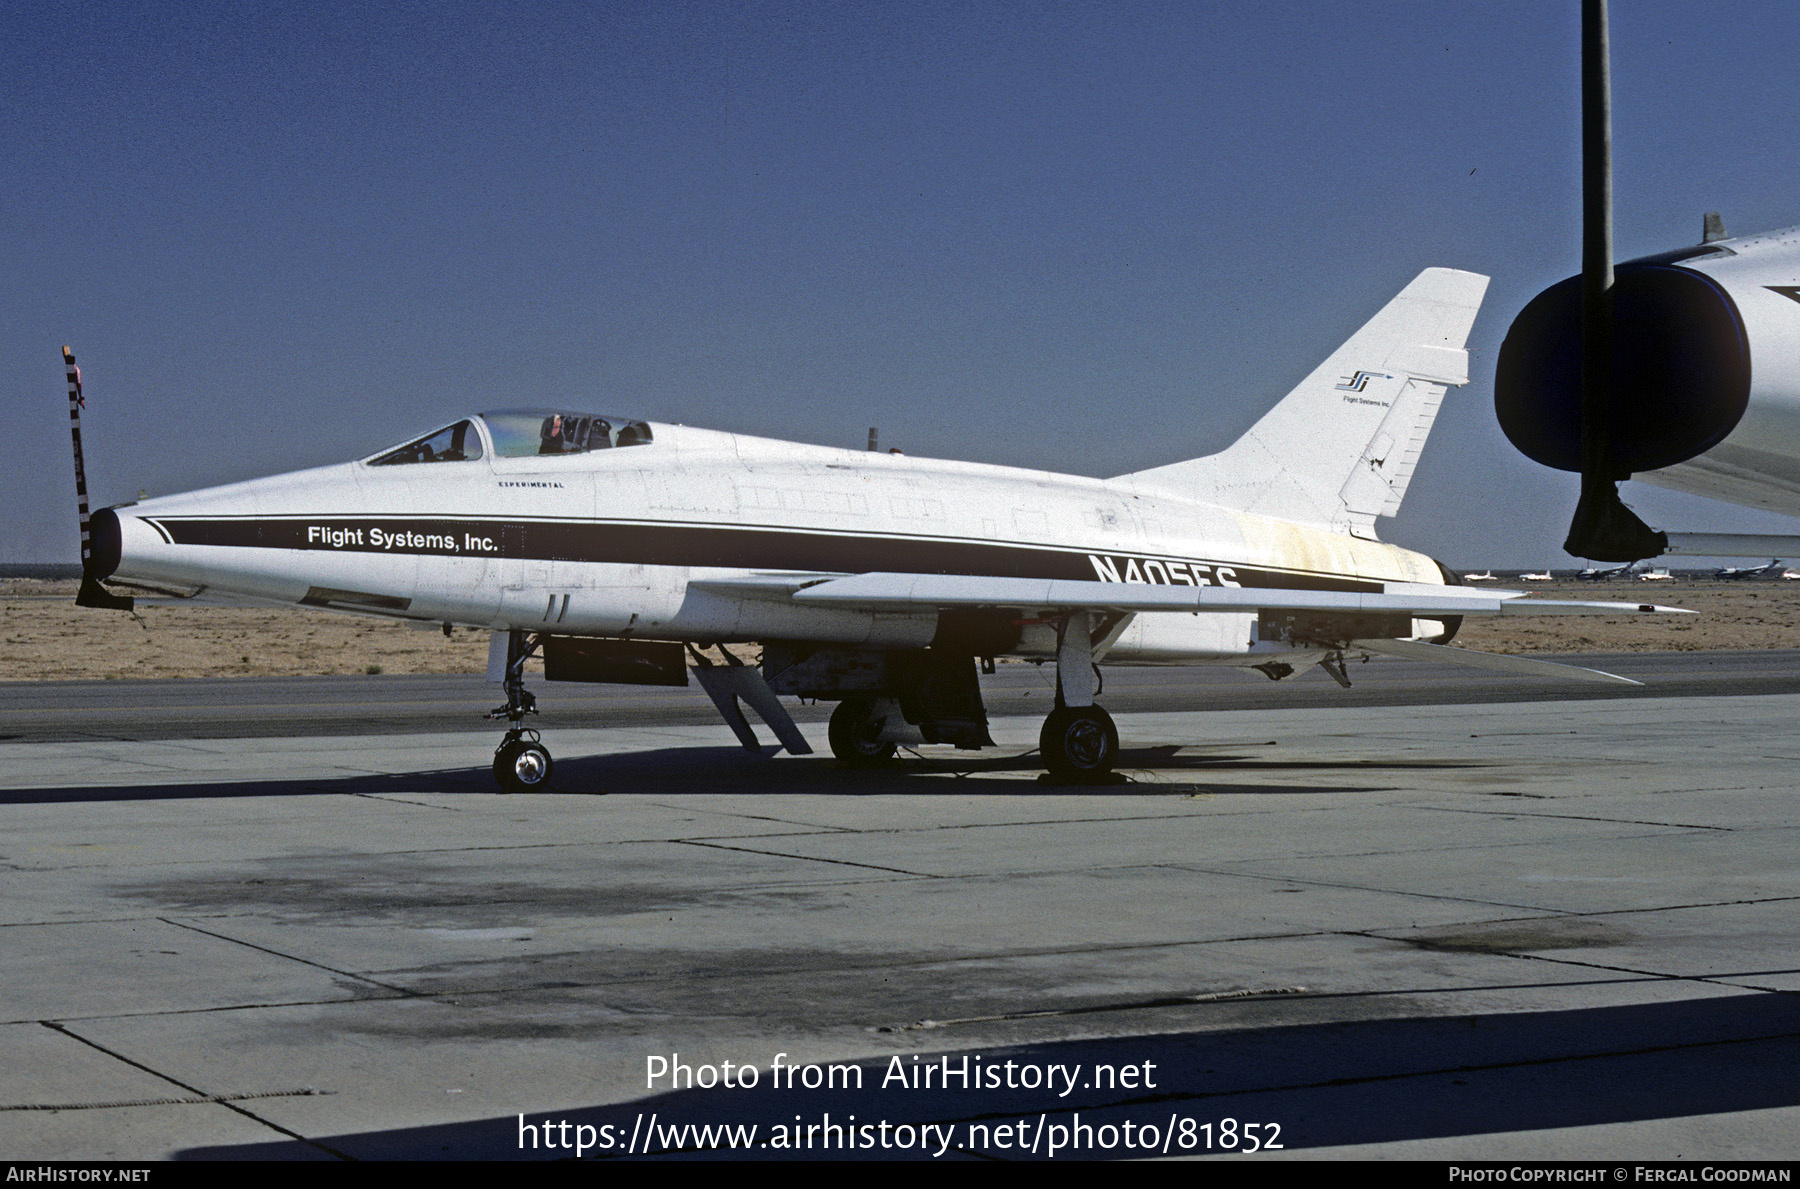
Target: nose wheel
(1080, 745)
(522, 765)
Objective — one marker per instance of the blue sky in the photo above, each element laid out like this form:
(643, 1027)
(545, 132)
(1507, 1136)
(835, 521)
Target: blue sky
(1085, 237)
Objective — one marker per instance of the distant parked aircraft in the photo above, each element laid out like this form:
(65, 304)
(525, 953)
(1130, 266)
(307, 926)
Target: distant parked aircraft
(1738, 573)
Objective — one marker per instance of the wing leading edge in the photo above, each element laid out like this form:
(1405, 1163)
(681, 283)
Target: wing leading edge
(1518, 666)
(888, 591)
(903, 591)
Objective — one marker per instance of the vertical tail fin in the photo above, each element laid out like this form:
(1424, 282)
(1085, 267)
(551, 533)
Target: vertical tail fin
(1339, 450)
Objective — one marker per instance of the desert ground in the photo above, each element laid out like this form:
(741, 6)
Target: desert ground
(45, 637)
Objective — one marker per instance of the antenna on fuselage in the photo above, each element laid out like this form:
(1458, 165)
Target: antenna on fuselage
(872, 437)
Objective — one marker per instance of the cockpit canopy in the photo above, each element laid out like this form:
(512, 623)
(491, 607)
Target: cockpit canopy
(520, 433)
(454, 443)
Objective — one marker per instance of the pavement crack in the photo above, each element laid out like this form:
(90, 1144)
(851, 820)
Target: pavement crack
(222, 1100)
(71, 921)
(403, 801)
(290, 957)
(306, 1092)
(763, 817)
(1638, 911)
(1094, 1008)
(751, 850)
(273, 1005)
(1578, 817)
(1353, 887)
(1486, 845)
(1716, 980)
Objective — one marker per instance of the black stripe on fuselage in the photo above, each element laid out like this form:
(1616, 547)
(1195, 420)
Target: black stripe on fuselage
(665, 544)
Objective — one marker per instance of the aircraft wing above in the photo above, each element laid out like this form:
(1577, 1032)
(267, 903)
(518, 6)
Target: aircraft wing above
(902, 591)
(1518, 666)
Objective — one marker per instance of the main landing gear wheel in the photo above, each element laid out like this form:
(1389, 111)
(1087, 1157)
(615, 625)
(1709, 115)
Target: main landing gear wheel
(856, 734)
(1080, 745)
(522, 765)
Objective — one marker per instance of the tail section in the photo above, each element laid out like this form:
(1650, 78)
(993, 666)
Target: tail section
(1339, 450)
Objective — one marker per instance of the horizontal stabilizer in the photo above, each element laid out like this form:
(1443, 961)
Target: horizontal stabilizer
(1418, 650)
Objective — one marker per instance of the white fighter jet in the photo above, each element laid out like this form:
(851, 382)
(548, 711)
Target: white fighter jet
(620, 549)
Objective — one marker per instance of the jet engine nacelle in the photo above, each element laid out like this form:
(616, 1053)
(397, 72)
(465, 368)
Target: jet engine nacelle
(1706, 358)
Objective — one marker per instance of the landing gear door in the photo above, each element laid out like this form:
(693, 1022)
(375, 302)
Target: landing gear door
(526, 597)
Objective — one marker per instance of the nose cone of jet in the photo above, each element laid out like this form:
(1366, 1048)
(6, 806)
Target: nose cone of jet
(211, 538)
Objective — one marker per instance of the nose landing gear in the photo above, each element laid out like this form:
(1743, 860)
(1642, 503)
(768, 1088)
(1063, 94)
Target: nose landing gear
(522, 764)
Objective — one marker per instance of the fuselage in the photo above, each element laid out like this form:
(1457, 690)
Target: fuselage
(1758, 463)
(1705, 372)
(623, 541)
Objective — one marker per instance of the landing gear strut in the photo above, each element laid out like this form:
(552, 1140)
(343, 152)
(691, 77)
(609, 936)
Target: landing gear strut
(1079, 742)
(522, 764)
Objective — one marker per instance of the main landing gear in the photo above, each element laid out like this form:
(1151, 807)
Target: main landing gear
(522, 764)
(1079, 742)
(933, 696)
(855, 731)
(1080, 745)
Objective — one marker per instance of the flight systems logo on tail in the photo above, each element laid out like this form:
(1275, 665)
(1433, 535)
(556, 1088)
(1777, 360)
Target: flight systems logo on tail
(1360, 381)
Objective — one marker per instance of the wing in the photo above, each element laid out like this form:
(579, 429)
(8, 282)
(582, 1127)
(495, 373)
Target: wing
(919, 591)
(886, 591)
(1519, 666)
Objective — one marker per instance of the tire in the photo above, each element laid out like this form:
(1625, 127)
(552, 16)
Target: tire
(856, 734)
(1079, 743)
(526, 767)
(503, 762)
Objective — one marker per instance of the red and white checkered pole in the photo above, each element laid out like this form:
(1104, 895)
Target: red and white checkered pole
(76, 404)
